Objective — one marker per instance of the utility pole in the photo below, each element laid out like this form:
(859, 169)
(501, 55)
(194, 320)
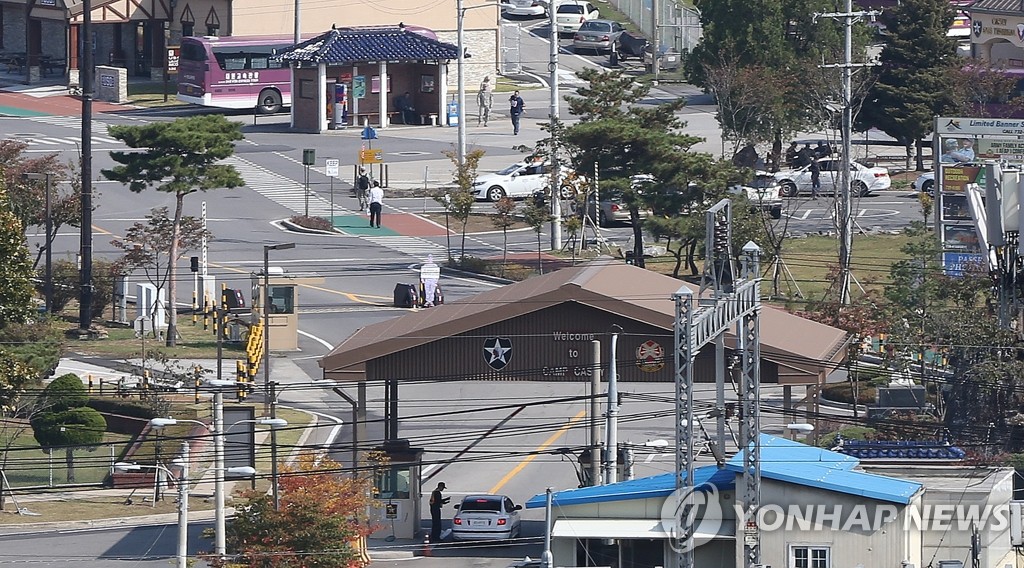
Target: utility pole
(460, 89)
(656, 39)
(556, 178)
(85, 78)
(844, 210)
(595, 405)
(611, 446)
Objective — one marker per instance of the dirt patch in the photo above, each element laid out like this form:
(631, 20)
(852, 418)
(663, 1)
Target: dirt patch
(477, 223)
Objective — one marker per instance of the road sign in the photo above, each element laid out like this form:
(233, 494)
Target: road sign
(369, 133)
(430, 270)
(332, 168)
(374, 156)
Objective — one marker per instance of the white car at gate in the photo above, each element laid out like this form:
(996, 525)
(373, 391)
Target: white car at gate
(519, 181)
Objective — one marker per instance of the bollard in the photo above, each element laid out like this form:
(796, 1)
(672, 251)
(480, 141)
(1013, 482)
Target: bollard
(90, 384)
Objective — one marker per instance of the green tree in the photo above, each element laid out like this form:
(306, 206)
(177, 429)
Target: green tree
(14, 375)
(623, 139)
(459, 203)
(537, 215)
(504, 218)
(16, 291)
(65, 421)
(178, 157)
(66, 284)
(912, 83)
(148, 246)
(979, 89)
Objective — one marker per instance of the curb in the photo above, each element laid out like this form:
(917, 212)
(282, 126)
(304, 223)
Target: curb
(485, 277)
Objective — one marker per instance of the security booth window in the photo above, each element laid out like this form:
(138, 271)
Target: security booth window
(392, 483)
(282, 299)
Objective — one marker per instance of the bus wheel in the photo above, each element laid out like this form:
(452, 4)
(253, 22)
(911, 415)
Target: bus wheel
(269, 101)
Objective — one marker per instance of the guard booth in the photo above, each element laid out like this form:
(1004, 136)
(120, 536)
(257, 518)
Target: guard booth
(397, 488)
(283, 312)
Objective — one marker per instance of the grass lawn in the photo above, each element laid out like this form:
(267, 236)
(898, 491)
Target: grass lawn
(193, 343)
(29, 466)
(151, 94)
(807, 262)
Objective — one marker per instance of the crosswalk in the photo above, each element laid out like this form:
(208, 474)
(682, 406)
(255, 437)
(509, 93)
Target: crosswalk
(281, 190)
(412, 246)
(100, 135)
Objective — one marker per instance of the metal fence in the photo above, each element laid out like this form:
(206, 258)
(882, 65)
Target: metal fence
(680, 25)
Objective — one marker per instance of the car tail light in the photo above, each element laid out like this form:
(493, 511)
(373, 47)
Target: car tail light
(457, 521)
(882, 174)
(502, 521)
(582, 19)
(577, 36)
(615, 206)
(605, 38)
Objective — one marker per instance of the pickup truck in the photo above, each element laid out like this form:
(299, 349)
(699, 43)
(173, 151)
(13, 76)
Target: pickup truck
(765, 192)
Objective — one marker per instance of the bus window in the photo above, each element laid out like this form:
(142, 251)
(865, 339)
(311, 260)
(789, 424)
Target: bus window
(193, 51)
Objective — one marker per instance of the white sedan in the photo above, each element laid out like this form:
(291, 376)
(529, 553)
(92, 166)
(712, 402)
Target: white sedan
(486, 517)
(520, 180)
(569, 16)
(531, 8)
(924, 183)
(865, 180)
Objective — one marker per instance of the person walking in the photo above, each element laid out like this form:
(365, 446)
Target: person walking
(515, 110)
(815, 178)
(437, 500)
(485, 100)
(362, 189)
(376, 203)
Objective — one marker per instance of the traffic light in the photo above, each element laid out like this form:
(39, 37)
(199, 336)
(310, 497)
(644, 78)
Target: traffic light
(194, 263)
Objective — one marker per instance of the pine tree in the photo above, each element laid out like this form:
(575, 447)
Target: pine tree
(912, 81)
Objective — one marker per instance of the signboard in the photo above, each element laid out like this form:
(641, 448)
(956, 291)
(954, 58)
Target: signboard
(1001, 149)
(954, 178)
(960, 126)
(956, 263)
(173, 55)
(430, 270)
(359, 86)
(960, 238)
(331, 170)
(391, 510)
(374, 156)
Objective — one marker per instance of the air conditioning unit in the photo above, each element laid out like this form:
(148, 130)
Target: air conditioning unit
(1016, 523)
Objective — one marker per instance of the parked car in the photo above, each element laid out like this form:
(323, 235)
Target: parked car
(597, 35)
(525, 7)
(925, 183)
(609, 210)
(865, 180)
(569, 16)
(520, 180)
(486, 517)
(765, 192)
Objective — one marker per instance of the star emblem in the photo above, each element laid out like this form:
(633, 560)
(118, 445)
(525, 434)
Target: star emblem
(497, 352)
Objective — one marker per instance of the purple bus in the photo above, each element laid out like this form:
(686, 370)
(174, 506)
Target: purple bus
(235, 72)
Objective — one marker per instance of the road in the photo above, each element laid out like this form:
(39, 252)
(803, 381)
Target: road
(480, 437)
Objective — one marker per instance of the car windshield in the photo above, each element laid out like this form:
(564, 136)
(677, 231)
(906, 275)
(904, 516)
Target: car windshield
(511, 169)
(593, 26)
(570, 9)
(481, 504)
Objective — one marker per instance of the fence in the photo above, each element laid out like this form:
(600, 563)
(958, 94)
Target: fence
(680, 25)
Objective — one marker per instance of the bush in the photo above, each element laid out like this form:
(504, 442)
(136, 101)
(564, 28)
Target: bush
(317, 223)
(121, 407)
(843, 392)
(66, 287)
(38, 344)
(829, 440)
(66, 391)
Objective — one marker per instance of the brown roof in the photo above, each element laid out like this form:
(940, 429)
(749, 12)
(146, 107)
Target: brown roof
(1001, 6)
(635, 293)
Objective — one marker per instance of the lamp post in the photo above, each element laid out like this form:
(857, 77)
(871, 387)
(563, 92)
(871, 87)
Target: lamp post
(48, 284)
(183, 489)
(266, 316)
(218, 432)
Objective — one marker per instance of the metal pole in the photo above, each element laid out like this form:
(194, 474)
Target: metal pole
(845, 216)
(720, 390)
(297, 33)
(273, 447)
(611, 447)
(85, 78)
(306, 182)
(461, 86)
(266, 327)
(220, 546)
(595, 410)
(183, 508)
(547, 561)
(556, 180)
(656, 38)
(48, 291)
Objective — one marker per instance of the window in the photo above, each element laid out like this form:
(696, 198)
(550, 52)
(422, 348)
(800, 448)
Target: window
(809, 557)
(188, 29)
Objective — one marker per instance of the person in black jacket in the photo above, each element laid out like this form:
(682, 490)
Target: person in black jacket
(437, 500)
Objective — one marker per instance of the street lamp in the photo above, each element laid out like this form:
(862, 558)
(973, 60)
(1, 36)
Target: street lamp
(182, 481)
(218, 432)
(269, 405)
(48, 284)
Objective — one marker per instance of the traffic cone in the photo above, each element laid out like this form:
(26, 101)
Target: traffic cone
(427, 551)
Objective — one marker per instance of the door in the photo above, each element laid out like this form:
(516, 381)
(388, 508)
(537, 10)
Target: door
(830, 172)
(143, 49)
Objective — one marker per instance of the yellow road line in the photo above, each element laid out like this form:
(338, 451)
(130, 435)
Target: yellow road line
(554, 437)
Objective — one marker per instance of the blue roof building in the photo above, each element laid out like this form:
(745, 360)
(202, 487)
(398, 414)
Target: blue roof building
(819, 509)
